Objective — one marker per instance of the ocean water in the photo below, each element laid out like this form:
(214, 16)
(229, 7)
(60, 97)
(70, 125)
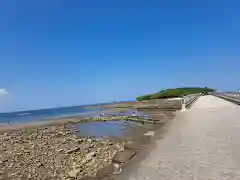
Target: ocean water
(46, 114)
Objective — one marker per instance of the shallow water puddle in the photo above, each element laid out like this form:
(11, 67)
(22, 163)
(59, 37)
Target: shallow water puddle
(103, 129)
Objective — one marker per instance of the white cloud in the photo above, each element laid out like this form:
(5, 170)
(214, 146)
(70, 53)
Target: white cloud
(3, 91)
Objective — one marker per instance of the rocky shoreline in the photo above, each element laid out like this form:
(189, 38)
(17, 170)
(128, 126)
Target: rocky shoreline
(53, 153)
(57, 152)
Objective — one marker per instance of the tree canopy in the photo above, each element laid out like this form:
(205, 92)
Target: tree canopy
(175, 92)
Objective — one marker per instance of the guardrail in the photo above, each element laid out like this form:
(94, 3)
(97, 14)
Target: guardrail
(233, 99)
(187, 101)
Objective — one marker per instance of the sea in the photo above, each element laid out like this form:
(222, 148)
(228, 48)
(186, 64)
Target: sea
(46, 114)
(98, 129)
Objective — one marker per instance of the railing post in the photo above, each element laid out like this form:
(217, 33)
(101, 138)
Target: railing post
(183, 105)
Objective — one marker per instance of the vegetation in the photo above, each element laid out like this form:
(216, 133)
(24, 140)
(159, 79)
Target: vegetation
(176, 92)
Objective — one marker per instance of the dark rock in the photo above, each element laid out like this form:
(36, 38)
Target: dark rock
(60, 150)
(91, 146)
(89, 178)
(80, 140)
(39, 165)
(122, 157)
(105, 171)
(72, 150)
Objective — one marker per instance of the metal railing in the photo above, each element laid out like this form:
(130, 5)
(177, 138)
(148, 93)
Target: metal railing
(187, 101)
(229, 97)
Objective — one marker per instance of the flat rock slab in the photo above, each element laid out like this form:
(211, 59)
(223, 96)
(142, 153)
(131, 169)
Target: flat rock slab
(89, 178)
(132, 146)
(105, 171)
(150, 133)
(109, 178)
(122, 157)
(144, 139)
(75, 149)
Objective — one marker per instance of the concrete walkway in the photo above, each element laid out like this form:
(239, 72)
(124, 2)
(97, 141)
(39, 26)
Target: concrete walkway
(203, 143)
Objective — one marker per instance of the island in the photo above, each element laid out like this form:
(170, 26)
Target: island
(175, 92)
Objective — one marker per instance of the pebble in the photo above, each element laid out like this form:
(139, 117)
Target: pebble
(75, 149)
(89, 140)
(44, 154)
(74, 172)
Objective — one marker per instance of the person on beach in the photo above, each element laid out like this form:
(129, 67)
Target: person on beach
(134, 113)
(121, 113)
(102, 114)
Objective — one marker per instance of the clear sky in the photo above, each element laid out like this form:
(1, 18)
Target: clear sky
(71, 52)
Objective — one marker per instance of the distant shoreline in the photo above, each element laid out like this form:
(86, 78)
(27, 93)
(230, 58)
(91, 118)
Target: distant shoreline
(4, 127)
(18, 126)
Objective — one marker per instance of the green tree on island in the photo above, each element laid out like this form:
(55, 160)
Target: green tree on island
(175, 92)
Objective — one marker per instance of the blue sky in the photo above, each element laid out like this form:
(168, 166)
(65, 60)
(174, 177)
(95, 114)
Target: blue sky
(71, 52)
